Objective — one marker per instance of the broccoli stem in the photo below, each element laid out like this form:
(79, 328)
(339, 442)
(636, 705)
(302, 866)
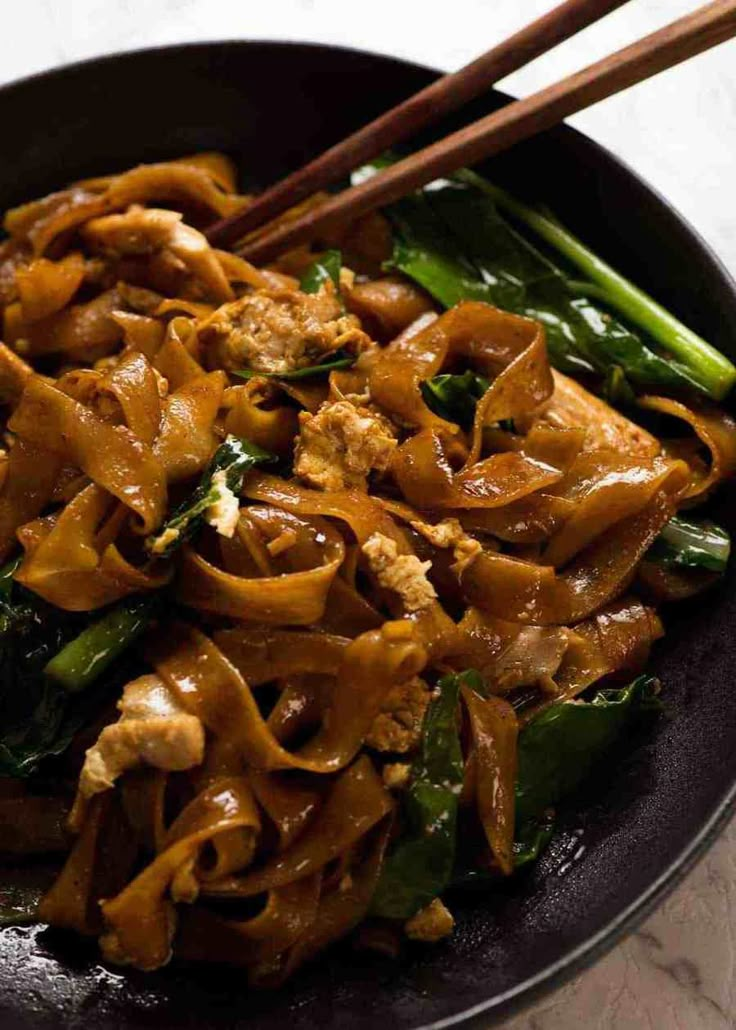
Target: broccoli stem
(691, 545)
(86, 657)
(706, 364)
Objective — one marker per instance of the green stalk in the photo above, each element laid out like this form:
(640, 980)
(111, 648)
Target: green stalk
(585, 289)
(711, 368)
(691, 545)
(86, 657)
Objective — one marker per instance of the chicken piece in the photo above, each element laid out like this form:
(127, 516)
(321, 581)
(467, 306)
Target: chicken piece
(153, 729)
(442, 534)
(450, 534)
(279, 330)
(398, 726)
(431, 923)
(339, 445)
(223, 514)
(148, 230)
(405, 574)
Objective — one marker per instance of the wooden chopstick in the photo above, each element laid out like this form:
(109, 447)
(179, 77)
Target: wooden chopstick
(440, 98)
(709, 25)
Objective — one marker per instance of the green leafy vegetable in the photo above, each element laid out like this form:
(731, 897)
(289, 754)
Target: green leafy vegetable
(84, 659)
(338, 359)
(616, 388)
(36, 716)
(325, 269)
(713, 372)
(530, 842)
(691, 545)
(454, 397)
(558, 748)
(532, 839)
(512, 274)
(232, 459)
(425, 250)
(420, 866)
(452, 239)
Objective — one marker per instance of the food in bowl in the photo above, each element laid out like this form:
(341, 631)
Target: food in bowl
(326, 582)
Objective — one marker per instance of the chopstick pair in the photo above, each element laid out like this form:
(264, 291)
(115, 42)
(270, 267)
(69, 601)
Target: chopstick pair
(690, 35)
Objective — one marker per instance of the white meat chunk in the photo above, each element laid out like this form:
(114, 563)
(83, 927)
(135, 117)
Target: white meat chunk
(279, 330)
(341, 444)
(404, 574)
(450, 534)
(153, 729)
(223, 513)
(398, 726)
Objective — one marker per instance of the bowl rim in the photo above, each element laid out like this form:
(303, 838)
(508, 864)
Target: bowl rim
(597, 945)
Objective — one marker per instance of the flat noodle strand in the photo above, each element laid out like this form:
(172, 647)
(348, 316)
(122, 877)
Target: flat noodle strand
(296, 748)
(110, 455)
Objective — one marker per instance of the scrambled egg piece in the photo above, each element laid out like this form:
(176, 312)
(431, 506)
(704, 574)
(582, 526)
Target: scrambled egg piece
(153, 729)
(341, 444)
(405, 574)
(279, 330)
(430, 924)
(398, 726)
(449, 533)
(224, 512)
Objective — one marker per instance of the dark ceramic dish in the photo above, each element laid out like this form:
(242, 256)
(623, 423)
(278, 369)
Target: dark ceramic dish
(664, 796)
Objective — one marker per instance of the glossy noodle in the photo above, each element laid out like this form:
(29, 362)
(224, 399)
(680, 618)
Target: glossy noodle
(313, 567)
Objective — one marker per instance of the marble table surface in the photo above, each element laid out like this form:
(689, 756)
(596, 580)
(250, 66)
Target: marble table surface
(678, 972)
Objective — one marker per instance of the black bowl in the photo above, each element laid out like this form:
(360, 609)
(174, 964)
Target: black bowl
(664, 796)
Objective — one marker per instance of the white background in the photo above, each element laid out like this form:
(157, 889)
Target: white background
(679, 131)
